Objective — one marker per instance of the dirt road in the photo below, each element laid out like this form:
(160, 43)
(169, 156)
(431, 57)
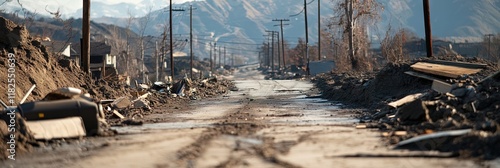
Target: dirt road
(265, 124)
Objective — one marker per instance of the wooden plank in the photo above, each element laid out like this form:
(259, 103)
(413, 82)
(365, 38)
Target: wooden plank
(443, 70)
(458, 64)
(71, 127)
(421, 75)
(118, 114)
(405, 100)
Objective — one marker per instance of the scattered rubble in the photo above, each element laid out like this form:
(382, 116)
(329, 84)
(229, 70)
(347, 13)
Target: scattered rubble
(131, 110)
(424, 103)
(60, 82)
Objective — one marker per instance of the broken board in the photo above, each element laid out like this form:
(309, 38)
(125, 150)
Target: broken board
(71, 127)
(443, 70)
(404, 100)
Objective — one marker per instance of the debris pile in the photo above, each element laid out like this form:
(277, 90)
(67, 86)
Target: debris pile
(130, 110)
(35, 65)
(459, 115)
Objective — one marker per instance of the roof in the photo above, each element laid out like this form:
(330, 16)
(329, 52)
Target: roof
(96, 48)
(55, 46)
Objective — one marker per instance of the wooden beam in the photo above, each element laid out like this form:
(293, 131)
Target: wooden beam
(443, 70)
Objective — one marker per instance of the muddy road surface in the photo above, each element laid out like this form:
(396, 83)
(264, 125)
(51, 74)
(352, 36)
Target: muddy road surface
(267, 123)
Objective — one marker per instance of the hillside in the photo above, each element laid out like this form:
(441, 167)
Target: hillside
(243, 21)
(241, 24)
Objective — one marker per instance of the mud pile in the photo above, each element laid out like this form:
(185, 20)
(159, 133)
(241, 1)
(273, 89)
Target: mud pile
(471, 104)
(26, 62)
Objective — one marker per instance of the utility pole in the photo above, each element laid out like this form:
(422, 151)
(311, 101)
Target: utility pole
(232, 60)
(220, 56)
(307, 37)
(272, 50)
(215, 56)
(268, 53)
(282, 38)
(157, 55)
(86, 37)
(191, 37)
(224, 57)
(489, 44)
(428, 30)
(211, 57)
(171, 43)
(143, 74)
(260, 59)
(319, 30)
(279, 52)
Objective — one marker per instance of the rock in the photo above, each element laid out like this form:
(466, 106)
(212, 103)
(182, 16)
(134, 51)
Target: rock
(460, 92)
(66, 63)
(471, 94)
(141, 103)
(435, 113)
(413, 111)
(469, 107)
(121, 103)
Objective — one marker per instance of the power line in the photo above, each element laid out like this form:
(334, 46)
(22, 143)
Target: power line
(301, 10)
(228, 42)
(239, 49)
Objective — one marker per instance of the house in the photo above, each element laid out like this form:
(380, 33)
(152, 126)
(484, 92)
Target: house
(60, 48)
(102, 61)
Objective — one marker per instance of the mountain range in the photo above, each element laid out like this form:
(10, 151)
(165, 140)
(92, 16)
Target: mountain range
(242, 23)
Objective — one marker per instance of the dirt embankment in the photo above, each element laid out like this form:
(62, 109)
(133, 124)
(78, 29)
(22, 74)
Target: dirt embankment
(471, 105)
(25, 62)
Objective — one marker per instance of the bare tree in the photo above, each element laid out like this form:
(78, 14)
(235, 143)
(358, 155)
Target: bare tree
(353, 18)
(143, 23)
(491, 47)
(392, 46)
(129, 22)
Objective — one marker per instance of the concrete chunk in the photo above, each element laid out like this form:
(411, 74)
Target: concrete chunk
(441, 87)
(71, 127)
(413, 111)
(121, 103)
(141, 103)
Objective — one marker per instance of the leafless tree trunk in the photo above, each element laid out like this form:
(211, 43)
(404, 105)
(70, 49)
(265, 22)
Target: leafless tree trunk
(352, 18)
(144, 24)
(129, 22)
(350, 27)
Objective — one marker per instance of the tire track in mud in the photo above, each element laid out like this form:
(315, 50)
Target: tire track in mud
(240, 123)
